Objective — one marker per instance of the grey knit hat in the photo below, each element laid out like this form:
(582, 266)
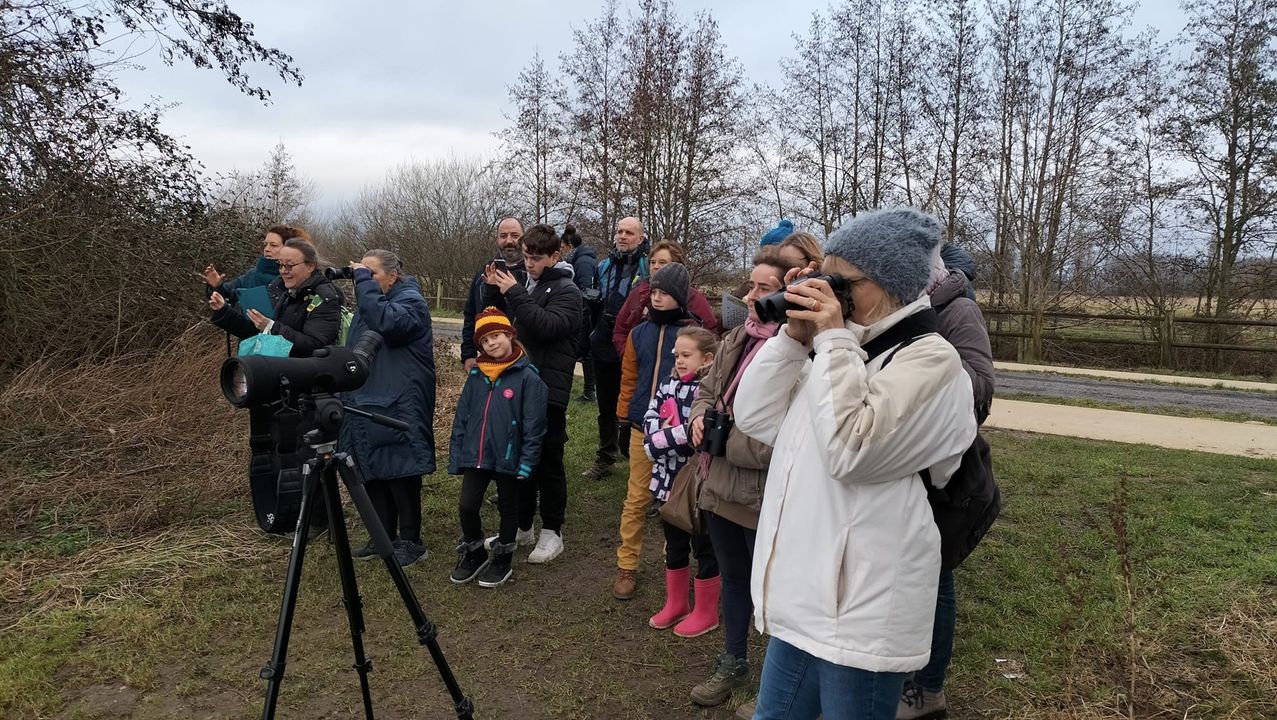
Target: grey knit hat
(892, 246)
(674, 280)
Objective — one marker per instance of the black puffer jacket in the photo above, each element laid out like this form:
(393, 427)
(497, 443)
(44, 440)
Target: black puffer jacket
(309, 316)
(548, 321)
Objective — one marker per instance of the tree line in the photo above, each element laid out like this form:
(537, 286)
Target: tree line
(1070, 151)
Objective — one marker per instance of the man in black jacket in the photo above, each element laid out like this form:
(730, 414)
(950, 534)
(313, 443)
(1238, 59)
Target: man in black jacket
(508, 234)
(546, 312)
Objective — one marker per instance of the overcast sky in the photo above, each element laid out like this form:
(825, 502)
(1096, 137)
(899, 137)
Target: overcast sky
(392, 81)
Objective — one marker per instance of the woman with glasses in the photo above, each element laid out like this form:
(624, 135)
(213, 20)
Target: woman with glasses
(307, 308)
(261, 274)
(307, 304)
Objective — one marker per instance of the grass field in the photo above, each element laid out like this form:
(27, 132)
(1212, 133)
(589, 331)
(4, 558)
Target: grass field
(1121, 581)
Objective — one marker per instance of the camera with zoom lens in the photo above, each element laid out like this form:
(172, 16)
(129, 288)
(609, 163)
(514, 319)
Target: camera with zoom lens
(339, 273)
(260, 380)
(772, 308)
(718, 425)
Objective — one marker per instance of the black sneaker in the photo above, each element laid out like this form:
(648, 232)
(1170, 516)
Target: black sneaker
(472, 561)
(588, 397)
(408, 552)
(367, 552)
(499, 570)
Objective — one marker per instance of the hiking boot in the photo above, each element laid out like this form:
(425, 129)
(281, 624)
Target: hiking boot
(523, 538)
(367, 552)
(474, 558)
(588, 397)
(730, 673)
(408, 552)
(654, 509)
(598, 470)
(499, 569)
(746, 711)
(623, 588)
(919, 704)
(548, 547)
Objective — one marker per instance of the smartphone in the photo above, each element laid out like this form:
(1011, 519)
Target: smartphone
(499, 264)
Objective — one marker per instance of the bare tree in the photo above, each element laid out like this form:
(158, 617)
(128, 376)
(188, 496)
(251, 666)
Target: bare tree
(532, 147)
(1226, 127)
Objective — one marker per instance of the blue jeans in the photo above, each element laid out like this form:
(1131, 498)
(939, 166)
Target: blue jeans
(931, 677)
(799, 686)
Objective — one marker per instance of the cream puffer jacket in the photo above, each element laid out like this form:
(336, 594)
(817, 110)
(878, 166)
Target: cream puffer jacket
(847, 557)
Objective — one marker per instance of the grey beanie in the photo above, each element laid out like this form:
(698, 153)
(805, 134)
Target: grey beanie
(675, 280)
(893, 247)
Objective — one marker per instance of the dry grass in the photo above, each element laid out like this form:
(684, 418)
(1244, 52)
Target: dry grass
(135, 444)
(116, 571)
(123, 446)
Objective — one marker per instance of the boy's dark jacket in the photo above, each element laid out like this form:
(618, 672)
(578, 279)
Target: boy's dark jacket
(548, 321)
(499, 425)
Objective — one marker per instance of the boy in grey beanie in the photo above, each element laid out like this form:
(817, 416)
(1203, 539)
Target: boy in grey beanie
(675, 281)
(892, 246)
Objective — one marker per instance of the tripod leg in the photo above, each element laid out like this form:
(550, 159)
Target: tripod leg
(273, 672)
(349, 588)
(426, 630)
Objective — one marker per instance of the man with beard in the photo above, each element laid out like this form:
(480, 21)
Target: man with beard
(508, 235)
(623, 268)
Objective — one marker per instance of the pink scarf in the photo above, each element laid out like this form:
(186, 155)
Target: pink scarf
(758, 334)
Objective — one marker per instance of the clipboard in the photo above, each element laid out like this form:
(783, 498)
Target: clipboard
(256, 298)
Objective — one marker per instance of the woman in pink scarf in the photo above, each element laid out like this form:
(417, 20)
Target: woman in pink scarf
(732, 486)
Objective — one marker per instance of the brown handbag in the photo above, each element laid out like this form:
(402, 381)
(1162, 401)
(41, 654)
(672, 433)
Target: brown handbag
(680, 509)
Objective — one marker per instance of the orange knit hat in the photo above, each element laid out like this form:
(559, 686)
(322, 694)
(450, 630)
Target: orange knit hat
(489, 321)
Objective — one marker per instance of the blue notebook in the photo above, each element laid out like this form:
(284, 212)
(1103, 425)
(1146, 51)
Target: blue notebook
(256, 298)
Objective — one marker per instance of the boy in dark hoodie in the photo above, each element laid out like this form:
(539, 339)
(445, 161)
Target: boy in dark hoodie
(496, 436)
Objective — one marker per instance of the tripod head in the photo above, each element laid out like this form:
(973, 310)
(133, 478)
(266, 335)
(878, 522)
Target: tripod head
(329, 412)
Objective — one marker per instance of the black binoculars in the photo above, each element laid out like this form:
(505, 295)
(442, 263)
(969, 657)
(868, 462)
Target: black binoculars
(718, 425)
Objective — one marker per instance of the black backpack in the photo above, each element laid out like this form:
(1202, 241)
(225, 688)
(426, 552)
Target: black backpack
(970, 502)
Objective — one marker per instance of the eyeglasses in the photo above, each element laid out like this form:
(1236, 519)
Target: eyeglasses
(288, 267)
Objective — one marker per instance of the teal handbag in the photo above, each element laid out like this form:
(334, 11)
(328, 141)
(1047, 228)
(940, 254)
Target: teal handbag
(264, 344)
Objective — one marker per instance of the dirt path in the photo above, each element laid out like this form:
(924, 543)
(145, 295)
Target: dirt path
(1213, 436)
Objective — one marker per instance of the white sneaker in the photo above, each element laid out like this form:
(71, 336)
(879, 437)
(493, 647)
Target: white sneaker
(523, 538)
(548, 547)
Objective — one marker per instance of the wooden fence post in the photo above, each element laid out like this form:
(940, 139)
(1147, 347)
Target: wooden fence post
(1168, 340)
(439, 294)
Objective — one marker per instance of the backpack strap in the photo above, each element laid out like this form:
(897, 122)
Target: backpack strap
(902, 334)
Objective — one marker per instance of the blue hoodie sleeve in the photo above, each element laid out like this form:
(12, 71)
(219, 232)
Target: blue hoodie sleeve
(535, 397)
(399, 320)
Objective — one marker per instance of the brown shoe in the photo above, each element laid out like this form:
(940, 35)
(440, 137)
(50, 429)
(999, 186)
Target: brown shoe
(623, 588)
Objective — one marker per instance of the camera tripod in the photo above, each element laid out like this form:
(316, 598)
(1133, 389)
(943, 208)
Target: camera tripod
(319, 474)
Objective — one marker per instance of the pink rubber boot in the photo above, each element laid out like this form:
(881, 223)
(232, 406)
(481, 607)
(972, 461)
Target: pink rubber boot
(676, 607)
(704, 616)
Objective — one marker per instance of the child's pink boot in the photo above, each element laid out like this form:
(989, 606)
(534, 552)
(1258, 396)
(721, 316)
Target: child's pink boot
(704, 615)
(676, 607)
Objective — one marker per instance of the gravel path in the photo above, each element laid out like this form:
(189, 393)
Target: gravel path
(1138, 394)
